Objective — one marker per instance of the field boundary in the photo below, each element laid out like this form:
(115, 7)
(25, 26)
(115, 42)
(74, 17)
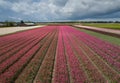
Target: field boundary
(10, 30)
(111, 32)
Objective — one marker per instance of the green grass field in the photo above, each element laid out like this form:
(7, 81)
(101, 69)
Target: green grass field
(108, 38)
(104, 25)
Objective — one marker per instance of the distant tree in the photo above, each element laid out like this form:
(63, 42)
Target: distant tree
(9, 23)
(117, 21)
(22, 22)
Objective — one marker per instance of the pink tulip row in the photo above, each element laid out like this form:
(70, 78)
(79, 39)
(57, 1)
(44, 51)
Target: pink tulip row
(76, 71)
(110, 58)
(10, 39)
(44, 75)
(103, 67)
(15, 50)
(57, 54)
(12, 66)
(94, 43)
(9, 74)
(7, 40)
(31, 69)
(13, 46)
(18, 38)
(106, 47)
(11, 43)
(92, 72)
(61, 74)
(16, 41)
(18, 55)
(18, 46)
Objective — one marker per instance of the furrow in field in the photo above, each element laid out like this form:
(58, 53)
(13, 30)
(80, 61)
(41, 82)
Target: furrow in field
(6, 40)
(44, 74)
(58, 54)
(60, 74)
(21, 45)
(10, 73)
(14, 51)
(9, 62)
(22, 40)
(30, 71)
(108, 72)
(76, 71)
(92, 72)
(108, 52)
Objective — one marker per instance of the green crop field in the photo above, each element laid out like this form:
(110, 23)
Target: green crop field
(104, 25)
(108, 38)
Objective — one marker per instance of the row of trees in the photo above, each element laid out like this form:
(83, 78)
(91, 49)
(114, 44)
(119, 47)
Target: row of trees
(7, 23)
(100, 21)
(11, 23)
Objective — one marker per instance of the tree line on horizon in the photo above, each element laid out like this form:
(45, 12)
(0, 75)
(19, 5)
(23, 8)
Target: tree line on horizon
(12, 23)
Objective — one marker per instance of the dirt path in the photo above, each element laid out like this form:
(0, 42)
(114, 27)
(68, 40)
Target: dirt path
(102, 30)
(4, 31)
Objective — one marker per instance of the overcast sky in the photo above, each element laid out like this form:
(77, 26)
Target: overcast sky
(59, 10)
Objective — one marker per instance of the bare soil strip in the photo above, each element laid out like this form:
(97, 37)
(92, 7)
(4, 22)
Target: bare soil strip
(111, 32)
(5, 31)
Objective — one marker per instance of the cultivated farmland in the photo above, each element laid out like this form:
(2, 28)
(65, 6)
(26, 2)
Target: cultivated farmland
(104, 25)
(58, 54)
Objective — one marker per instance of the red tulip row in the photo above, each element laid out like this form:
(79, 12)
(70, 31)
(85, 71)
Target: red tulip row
(30, 71)
(12, 66)
(60, 74)
(44, 75)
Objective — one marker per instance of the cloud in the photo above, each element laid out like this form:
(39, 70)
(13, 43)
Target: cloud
(14, 18)
(52, 10)
(60, 3)
(83, 8)
(4, 4)
(23, 7)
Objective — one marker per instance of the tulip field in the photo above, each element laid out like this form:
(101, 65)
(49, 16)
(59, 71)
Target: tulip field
(58, 54)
